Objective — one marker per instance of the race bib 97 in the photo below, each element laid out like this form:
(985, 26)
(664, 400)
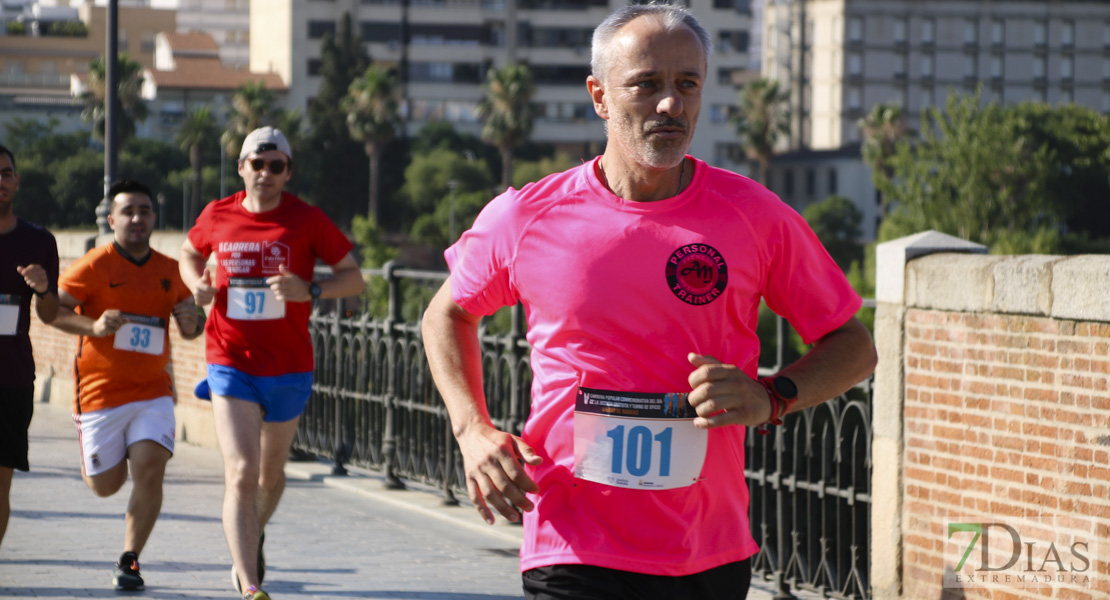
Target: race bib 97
(250, 299)
(141, 333)
(636, 440)
(9, 314)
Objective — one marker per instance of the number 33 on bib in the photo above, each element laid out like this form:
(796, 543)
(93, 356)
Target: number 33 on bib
(636, 440)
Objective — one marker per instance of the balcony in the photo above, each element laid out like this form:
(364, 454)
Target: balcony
(35, 80)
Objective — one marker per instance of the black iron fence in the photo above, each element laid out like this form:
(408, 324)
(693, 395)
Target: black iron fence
(374, 405)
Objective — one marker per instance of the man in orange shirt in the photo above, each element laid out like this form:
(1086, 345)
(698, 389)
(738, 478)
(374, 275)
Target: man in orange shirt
(119, 298)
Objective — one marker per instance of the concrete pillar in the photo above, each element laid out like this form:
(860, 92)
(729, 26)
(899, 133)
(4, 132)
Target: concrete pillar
(887, 446)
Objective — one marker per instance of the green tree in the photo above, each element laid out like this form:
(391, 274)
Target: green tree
(882, 129)
(526, 172)
(439, 202)
(977, 173)
(197, 133)
(252, 106)
(836, 221)
(763, 114)
(132, 107)
(507, 113)
(371, 105)
(333, 163)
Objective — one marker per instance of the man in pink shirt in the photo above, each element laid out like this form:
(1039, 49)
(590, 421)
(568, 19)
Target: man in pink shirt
(641, 273)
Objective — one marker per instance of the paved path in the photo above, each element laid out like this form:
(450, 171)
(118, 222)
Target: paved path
(332, 537)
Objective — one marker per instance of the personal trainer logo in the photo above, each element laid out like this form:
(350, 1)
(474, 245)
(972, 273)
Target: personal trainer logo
(1039, 553)
(697, 273)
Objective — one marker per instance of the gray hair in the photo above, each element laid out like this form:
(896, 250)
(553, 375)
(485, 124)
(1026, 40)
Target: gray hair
(672, 17)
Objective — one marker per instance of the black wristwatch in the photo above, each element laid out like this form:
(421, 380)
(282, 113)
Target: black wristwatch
(785, 388)
(314, 290)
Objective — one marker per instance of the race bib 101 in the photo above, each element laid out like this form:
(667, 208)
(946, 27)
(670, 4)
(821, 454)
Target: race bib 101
(9, 313)
(141, 333)
(250, 299)
(636, 440)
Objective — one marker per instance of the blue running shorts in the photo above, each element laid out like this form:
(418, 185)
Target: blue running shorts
(282, 397)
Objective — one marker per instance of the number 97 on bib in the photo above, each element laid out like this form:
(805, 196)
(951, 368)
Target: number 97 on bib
(636, 440)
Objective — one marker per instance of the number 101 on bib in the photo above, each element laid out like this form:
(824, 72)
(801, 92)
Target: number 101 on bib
(635, 440)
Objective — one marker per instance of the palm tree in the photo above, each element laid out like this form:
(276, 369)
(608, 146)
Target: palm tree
(197, 132)
(507, 112)
(763, 115)
(373, 117)
(882, 129)
(252, 106)
(129, 95)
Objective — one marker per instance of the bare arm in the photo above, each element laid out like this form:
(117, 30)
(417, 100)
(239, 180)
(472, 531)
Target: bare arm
(491, 458)
(70, 322)
(46, 304)
(193, 267)
(837, 361)
(190, 318)
(346, 281)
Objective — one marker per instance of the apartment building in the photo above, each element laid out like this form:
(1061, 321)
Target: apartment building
(35, 67)
(188, 74)
(452, 43)
(227, 21)
(839, 58)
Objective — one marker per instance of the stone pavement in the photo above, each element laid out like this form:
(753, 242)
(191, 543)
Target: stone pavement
(332, 537)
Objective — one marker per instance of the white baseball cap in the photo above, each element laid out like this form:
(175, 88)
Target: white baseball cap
(263, 139)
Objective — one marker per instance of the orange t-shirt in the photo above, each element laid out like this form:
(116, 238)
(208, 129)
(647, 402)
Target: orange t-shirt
(110, 372)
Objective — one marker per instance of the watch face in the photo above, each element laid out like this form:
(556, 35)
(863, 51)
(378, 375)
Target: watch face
(785, 387)
(314, 290)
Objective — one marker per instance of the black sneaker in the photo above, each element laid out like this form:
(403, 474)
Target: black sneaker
(127, 575)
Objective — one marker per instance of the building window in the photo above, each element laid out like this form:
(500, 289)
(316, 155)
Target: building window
(1106, 69)
(1039, 67)
(1067, 35)
(314, 66)
(996, 67)
(855, 29)
(855, 98)
(720, 113)
(927, 65)
(1106, 102)
(855, 64)
(732, 41)
(969, 66)
(1039, 34)
(788, 183)
(998, 32)
(928, 31)
(1067, 64)
(317, 29)
(811, 183)
(833, 183)
(899, 31)
(147, 44)
(926, 98)
(971, 31)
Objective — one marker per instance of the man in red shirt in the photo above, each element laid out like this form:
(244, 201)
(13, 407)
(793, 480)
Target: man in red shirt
(266, 243)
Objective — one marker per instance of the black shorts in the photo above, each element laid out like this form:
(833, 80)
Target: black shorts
(563, 582)
(16, 407)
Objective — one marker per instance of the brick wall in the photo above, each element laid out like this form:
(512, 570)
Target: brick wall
(1006, 416)
(992, 419)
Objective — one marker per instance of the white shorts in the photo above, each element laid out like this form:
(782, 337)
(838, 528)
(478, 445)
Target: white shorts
(106, 434)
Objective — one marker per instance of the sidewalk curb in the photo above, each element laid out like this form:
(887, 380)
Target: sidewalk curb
(420, 499)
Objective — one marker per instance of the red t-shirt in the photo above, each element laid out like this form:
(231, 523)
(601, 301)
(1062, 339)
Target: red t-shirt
(250, 247)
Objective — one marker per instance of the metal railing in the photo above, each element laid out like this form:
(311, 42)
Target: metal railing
(374, 405)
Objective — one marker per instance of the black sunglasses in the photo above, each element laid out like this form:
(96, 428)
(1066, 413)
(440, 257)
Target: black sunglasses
(276, 166)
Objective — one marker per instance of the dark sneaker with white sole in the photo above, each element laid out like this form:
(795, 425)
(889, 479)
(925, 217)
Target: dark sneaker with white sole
(126, 576)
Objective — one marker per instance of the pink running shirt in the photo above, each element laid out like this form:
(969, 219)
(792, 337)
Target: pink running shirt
(616, 294)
